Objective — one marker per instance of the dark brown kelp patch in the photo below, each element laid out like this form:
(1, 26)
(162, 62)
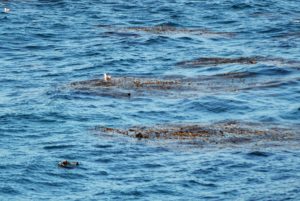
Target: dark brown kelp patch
(180, 86)
(238, 75)
(231, 132)
(128, 83)
(161, 133)
(168, 30)
(165, 29)
(129, 87)
(214, 61)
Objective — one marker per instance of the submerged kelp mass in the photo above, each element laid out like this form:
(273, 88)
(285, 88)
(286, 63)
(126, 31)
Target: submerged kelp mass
(149, 100)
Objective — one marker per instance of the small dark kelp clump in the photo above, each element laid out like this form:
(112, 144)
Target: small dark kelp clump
(218, 133)
(68, 164)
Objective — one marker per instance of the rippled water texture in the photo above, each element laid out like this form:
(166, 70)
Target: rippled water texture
(173, 62)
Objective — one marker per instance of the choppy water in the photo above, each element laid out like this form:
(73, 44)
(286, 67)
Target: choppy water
(45, 45)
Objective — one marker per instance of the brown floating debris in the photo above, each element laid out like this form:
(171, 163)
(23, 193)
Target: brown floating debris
(206, 61)
(68, 164)
(169, 30)
(225, 132)
(172, 86)
(239, 75)
(163, 29)
(130, 87)
(127, 83)
(214, 61)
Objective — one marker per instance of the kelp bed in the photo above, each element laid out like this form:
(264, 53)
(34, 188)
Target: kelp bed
(126, 87)
(230, 132)
(168, 30)
(215, 61)
(180, 86)
(222, 82)
(128, 83)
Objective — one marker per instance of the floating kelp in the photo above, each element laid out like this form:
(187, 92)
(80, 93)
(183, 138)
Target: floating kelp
(167, 30)
(164, 29)
(128, 83)
(180, 86)
(239, 75)
(127, 87)
(272, 84)
(225, 132)
(215, 61)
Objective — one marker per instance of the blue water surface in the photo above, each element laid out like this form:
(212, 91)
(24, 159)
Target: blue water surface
(45, 45)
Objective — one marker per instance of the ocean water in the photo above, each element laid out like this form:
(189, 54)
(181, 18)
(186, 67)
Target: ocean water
(46, 45)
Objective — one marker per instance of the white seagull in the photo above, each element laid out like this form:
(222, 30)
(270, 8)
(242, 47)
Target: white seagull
(6, 10)
(106, 77)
